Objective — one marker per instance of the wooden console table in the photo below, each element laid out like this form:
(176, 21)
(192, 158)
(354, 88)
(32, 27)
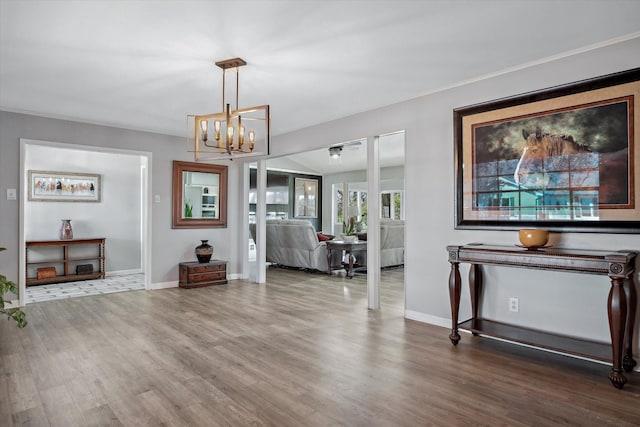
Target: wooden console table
(622, 301)
(66, 260)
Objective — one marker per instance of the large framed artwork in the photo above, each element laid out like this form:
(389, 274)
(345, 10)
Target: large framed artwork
(48, 186)
(564, 158)
(306, 198)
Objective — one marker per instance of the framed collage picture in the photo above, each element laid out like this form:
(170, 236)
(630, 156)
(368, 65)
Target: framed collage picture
(47, 186)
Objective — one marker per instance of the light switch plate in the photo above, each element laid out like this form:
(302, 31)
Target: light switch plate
(11, 194)
(156, 198)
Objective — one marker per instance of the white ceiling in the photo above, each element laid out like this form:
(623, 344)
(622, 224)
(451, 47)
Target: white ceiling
(352, 158)
(147, 64)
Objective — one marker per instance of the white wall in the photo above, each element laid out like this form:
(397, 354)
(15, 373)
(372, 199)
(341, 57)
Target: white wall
(561, 302)
(116, 216)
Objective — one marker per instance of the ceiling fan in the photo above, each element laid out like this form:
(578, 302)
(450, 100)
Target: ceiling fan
(353, 145)
(336, 150)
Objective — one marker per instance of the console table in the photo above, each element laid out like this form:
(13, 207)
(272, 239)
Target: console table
(66, 260)
(619, 266)
(349, 248)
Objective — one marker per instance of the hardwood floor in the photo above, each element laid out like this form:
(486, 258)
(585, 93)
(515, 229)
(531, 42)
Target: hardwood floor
(302, 350)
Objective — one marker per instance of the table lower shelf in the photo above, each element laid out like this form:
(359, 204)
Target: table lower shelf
(68, 278)
(544, 340)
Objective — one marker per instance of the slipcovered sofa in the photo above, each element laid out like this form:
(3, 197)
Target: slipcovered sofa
(391, 244)
(294, 243)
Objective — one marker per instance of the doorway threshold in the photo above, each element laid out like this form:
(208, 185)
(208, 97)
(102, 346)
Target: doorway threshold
(108, 285)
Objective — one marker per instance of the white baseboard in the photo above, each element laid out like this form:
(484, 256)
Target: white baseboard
(14, 303)
(123, 272)
(427, 318)
(235, 276)
(163, 285)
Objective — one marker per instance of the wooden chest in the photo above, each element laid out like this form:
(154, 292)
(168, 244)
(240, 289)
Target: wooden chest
(196, 275)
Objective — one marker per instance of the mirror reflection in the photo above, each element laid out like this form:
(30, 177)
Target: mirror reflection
(200, 195)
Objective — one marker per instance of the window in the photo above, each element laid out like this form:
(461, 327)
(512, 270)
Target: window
(358, 206)
(391, 205)
(560, 187)
(338, 213)
(306, 191)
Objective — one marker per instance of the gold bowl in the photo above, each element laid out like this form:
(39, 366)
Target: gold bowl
(533, 238)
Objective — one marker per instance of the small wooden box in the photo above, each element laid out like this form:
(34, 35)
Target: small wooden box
(84, 268)
(45, 272)
(196, 275)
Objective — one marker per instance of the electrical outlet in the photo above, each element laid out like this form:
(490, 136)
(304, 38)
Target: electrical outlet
(513, 304)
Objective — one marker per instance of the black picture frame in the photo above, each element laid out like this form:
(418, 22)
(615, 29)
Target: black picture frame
(564, 158)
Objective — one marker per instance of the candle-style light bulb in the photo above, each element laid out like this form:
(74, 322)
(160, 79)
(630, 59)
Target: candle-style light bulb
(204, 125)
(252, 139)
(230, 135)
(240, 137)
(216, 127)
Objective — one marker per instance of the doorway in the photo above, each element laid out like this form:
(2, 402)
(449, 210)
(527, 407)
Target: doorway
(344, 174)
(392, 218)
(121, 216)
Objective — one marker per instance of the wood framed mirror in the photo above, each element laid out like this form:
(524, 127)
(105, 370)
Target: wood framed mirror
(199, 195)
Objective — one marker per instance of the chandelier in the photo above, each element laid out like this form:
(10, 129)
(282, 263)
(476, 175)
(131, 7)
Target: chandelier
(231, 133)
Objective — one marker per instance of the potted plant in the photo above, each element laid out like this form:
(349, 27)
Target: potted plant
(349, 230)
(15, 313)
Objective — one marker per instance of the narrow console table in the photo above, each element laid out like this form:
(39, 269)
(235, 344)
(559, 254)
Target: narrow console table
(197, 275)
(66, 260)
(619, 266)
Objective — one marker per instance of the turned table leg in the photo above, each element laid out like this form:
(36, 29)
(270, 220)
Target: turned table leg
(350, 270)
(454, 296)
(617, 310)
(475, 289)
(628, 363)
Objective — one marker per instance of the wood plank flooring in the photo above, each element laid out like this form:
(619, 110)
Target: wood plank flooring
(302, 350)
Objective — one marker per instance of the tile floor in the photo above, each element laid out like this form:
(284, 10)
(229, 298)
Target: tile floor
(110, 284)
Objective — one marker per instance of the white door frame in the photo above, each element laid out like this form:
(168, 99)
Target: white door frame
(373, 223)
(145, 211)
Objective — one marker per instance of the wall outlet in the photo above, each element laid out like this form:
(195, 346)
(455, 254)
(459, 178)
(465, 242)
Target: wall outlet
(513, 304)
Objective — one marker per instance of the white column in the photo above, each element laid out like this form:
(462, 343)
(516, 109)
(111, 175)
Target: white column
(146, 219)
(373, 223)
(261, 222)
(24, 185)
(243, 212)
